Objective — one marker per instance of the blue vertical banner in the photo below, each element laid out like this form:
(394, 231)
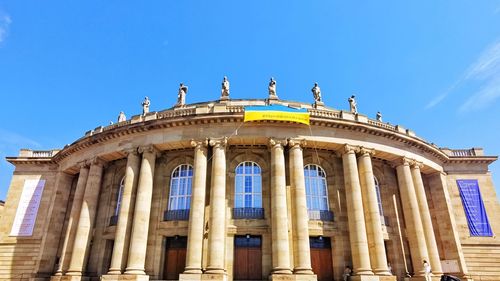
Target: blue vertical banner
(474, 208)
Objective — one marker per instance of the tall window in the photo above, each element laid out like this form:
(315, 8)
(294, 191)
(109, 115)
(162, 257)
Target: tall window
(180, 188)
(119, 197)
(379, 198)
(316, 193)
(248, 186)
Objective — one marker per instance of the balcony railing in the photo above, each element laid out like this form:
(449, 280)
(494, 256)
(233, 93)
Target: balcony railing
(248, 213)
(113, 220)
(320, 215)
(176, 215)
(384, 220)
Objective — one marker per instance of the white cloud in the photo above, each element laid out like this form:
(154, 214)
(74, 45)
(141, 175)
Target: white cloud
(484, 97)
(485, 70)
(5, 22)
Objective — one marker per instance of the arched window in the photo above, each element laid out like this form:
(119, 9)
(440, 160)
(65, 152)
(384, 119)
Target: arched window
(180, 188)
(316, 188)
(248, 186)
(379, 198)
(119, 197)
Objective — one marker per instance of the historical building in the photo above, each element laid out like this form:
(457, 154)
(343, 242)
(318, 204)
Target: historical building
(195, 193)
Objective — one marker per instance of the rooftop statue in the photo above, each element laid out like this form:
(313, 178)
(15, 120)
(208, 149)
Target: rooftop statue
(272, 89)
(379, 116)
(181, 96)
(225, 89)
(316, 92)
(145, 106)
(353, 105)
(122, 117)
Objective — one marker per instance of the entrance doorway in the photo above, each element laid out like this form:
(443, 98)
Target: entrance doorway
(321, 257)
(175, 257)
(247, 258)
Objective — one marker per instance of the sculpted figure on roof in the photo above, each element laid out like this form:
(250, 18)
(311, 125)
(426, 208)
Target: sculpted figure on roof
(225, 89)
(272, 89)
(181, 95)
(352, 104)
(316, 92)
(121, 117)
(145, 106)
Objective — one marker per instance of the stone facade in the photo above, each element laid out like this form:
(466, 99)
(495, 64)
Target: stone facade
(110, 205)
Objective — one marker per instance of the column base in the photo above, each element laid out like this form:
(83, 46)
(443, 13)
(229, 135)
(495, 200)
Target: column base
(388, 277)
(74, 278)
(190, 277)
(281, 271)
(55, 278)
(302, 271)
(124, 277)
(293, 277)
(422, 278)
(366, 278)
(211, 276)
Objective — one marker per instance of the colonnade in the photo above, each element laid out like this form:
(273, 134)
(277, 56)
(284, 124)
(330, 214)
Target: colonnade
(364, 222)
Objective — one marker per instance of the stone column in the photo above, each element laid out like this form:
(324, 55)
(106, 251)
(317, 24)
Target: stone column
(423, 207)
(302, 253)
(87, 218)
(124, 225)
(374, 233)
(197, 209)
(411, 213)
(217, 219)
(140, 225)
(355, 214)
(279, 219)
(74, 215)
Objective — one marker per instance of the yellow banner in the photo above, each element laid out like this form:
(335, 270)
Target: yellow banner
(298, 117)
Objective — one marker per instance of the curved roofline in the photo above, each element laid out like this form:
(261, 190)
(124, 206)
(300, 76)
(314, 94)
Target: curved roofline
(233, 110)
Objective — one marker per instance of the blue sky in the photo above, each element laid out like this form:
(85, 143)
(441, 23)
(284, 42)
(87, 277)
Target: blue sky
(70, 66)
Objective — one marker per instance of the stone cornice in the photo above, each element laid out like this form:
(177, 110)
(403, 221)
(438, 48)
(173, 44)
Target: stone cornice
(477, 159)
(232, 111)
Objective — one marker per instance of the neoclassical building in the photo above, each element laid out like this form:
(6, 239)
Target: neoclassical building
(195, 193)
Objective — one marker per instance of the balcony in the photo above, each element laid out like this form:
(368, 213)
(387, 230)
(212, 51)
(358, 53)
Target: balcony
(320, 215)
(176, 215)
(384, 220)
(113, 220)
(248, 213)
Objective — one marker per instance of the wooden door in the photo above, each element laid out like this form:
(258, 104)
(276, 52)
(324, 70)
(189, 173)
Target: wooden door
(175, 257)
(247, 258)
(321, 258)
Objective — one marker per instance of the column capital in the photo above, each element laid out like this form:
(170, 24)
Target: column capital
(218, 142)
(82, 164)
(199, 143)
(130, 150)
(366, 151)
(273, 142)
(403, 161)
(96, 161)
(296, 143)
(148, 148)
(417, 165)
(348, 149)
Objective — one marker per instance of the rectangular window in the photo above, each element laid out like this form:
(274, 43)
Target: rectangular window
(475, 212)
